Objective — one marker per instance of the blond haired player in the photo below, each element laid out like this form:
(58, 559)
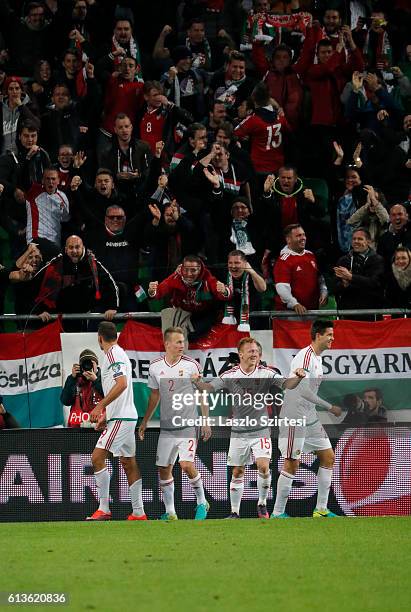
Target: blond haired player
(254, 440)
(169, 377)
(311, 438)
(118, 437)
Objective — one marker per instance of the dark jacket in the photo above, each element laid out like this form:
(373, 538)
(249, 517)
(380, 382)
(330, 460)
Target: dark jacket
(18, 171)
(270, 217)
(90, 206)
(169, 244)
(390, 240)
(138, 158)
(60, 127)
(72, 287)
(366, 287)
(219, 86)
(68, 393)
(118, 252)
(193, 80)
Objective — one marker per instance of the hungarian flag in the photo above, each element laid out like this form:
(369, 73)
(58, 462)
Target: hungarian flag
(30, 376)
(143, 343)
(364, 355)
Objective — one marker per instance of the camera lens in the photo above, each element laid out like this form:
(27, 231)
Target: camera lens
(86, 365)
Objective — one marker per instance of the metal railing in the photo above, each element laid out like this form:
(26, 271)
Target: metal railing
(271, 314)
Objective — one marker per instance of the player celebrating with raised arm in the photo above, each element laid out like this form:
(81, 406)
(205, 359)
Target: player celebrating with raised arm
(300, 403)
(118, 437)
(249, 439)
(169, 378)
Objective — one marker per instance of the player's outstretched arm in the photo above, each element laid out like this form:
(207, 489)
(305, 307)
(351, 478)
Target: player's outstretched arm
(294, 381)
(153, 400)
(309, 395)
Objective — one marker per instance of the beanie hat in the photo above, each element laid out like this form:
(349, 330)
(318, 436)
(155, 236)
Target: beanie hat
(179, 53)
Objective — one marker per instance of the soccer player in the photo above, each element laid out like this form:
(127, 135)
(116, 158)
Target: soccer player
(249, 439)
(169, 378)
(118, 437)
(300, 403)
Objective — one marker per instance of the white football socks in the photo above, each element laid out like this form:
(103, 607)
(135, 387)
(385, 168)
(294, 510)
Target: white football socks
(324, 477)
(263, 486)
(167, 487)
(236, 493)
(197, 485)
(284, 484)
(136, 494)
(103, 488)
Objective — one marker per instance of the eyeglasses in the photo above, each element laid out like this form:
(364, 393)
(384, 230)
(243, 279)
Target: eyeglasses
(115, 217)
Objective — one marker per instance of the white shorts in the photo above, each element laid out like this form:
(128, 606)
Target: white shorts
(119, 437)
(242, 450)
(293, 441)
(170, 446)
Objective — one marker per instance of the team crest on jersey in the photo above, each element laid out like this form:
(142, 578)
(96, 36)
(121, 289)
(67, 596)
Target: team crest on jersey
(314, 265)
(181, 372)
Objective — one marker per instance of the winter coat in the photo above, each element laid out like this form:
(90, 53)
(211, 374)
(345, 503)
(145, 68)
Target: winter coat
(366, 287)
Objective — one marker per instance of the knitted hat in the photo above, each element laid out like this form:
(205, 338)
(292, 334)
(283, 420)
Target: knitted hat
(241, 200)
(179, 53)
(88, 354)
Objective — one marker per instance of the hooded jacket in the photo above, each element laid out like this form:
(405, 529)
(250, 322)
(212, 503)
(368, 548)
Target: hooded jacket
(197, 297)
(10, 120)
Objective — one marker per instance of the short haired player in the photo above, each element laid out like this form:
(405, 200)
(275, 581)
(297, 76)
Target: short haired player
(118, 411)
(170, 376)
(300, 403)
(254, 440)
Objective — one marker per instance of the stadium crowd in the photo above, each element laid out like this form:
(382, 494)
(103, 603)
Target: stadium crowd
(219, 155)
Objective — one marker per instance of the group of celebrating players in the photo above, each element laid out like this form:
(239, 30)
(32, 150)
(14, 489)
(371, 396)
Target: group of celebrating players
(300, 429)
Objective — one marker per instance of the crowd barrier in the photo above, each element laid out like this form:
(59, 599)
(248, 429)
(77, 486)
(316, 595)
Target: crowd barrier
(46, 475)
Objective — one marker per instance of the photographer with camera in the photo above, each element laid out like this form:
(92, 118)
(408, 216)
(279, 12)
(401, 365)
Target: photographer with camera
(364, 408)
(82, 389)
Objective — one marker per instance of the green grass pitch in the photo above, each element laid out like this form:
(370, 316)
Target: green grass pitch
(344, 564)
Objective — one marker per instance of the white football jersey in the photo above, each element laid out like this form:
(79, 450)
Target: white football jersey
(240, 383)
(116, 363)
(174, 383)
(293, 398)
